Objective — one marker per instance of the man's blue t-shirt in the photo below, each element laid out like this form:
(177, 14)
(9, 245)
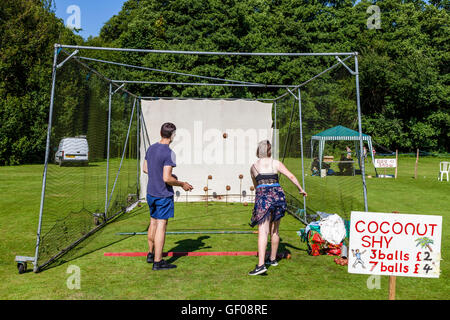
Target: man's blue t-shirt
(158, 156)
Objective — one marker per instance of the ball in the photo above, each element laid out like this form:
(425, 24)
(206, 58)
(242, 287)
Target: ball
(210, 177)
(225, 135)
(241, 176)
(245, 204)
(288, 256)
(228, 188)
(205, 189)
(252, 188)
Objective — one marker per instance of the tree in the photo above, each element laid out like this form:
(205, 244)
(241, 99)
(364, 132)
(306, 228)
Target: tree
(28, 31)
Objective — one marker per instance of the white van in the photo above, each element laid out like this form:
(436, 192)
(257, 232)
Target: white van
(72, 150)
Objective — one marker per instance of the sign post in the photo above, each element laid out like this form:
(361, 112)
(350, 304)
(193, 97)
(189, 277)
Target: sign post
(396, 162)
(392, 281)
(394, 244)
(417, 163)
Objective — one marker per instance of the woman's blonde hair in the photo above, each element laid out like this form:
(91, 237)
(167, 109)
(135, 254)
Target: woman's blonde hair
(264, 149)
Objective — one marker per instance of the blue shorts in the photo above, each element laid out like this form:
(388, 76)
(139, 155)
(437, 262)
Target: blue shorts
(161, 208)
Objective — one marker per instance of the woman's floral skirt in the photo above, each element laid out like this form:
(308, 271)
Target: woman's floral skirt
(270, 203)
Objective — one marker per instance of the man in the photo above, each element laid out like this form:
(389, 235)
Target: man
(158, 164)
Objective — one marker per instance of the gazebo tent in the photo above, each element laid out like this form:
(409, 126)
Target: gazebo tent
(338, 133)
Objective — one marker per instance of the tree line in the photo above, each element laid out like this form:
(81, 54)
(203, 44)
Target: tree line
(403, 63)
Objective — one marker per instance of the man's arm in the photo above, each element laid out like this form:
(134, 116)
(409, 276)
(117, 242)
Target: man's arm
(172, 181)
(145, 168)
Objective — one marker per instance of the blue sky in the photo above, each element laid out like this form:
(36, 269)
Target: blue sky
(93, 13)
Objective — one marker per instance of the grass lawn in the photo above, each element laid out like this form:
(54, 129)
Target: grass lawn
(222, 277)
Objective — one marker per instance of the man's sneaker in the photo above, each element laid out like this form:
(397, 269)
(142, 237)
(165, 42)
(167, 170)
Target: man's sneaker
(272, 263)
(258, 270)
(150, 257)
(163, 265)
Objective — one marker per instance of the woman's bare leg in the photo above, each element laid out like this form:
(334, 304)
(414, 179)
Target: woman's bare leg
(263, 233)
(275, 239)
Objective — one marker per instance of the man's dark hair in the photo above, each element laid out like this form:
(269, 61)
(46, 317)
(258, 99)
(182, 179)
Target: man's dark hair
(167, 129)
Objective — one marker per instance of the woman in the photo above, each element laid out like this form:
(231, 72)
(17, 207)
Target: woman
(270, 203)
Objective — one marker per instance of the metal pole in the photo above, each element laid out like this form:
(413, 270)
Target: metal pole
(123, 154)
(301, 147)
(98, 74)
(138, 148)
(145, 129)
(142, 130)
(276, 54)
(358, 104)
(247, 85)
(275, 131)
(47, 154)
(107, 152)
(311, 79)
(203, 98)
(289, 131)
(163, 71)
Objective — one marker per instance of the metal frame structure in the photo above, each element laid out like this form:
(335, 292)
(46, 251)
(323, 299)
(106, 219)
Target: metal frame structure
(119, 85)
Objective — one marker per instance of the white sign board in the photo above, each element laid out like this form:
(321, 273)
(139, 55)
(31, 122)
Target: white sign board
(385, 163)
(395, 244)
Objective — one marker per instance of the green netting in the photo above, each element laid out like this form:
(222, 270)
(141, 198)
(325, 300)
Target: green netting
(75, 189)
(332, 179)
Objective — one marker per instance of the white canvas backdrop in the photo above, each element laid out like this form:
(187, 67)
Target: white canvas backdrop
(201, 149)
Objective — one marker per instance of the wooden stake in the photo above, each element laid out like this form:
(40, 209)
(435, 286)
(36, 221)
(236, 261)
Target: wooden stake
(240, 187)
(396, 162)
(392, 280)
(417, 162)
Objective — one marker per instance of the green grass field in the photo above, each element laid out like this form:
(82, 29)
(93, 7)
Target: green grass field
(302, 277)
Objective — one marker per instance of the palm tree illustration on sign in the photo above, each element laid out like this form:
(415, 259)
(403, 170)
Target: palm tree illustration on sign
(424, 242)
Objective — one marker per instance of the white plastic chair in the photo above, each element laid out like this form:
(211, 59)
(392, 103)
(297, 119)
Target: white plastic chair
(443, 169)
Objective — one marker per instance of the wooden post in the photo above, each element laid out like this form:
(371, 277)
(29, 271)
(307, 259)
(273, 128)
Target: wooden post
(392, 287)
(207, 189)
(206, 192)
(396, 162)
(392, 280)
(417, 162)
(240, 187)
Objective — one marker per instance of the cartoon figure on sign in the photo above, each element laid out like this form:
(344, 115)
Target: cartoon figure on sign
(357, 254)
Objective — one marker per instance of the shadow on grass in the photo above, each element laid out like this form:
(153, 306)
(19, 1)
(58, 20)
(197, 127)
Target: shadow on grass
(283, 247)
(188, 245)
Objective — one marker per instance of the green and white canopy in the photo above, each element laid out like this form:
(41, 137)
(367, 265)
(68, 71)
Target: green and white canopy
(339, 133)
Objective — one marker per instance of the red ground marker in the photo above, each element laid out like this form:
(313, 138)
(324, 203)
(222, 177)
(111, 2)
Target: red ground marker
(192, 254)
(179, 254)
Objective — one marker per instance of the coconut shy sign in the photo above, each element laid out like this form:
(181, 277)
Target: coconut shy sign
(395, 244)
